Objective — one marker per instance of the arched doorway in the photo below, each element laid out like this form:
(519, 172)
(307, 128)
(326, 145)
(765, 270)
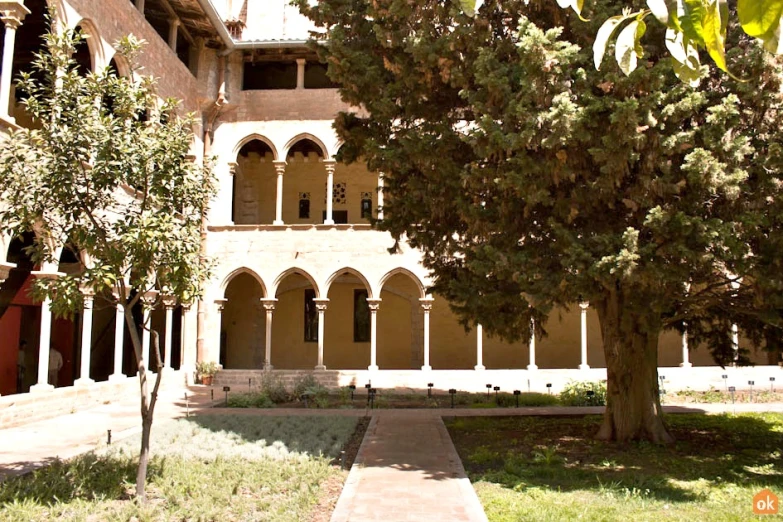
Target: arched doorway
(243, 324)
(295, 331)
(400, 324)
(254, 184)
(304, 190)
(347, 322)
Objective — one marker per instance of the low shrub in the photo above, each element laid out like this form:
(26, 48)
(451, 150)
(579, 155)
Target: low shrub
(274, 388)
(305, 383)
(250, 400)
(575, 393)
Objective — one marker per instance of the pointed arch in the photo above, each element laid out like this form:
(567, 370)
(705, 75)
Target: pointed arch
(404, 271)
(353, 272)
(295, 270)
(242, 270)
(93, 42)
(121, 66)
(255, 136)
(306, 136)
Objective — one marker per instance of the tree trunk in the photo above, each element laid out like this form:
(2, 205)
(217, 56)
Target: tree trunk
(633, 407)
(144, 457)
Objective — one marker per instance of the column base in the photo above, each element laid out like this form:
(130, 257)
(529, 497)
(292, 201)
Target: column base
(278, 222)
(320, 367)
(83, 382)
(532, 367)
(268, 367)
(328, 221)
(41, 388)
(115, 377)
(584, 366)
(426, 368)
(479, 367)
(373, 368)
(686, 365)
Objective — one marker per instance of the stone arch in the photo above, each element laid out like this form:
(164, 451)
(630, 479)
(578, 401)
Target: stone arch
(93, 42)
(255, 136)
(306, 136)
(404, 271)
(348, 270)
(120, 65)
(295, 270)
(242, 270)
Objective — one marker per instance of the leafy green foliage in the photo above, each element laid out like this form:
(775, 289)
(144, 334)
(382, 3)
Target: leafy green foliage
(575, 393)
(250, 400)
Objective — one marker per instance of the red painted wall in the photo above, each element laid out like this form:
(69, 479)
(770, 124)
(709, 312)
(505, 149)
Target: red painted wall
(9, 347)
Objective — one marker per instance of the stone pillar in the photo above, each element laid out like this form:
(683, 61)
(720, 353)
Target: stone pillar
(119, 341)
(330, 166)
(169, 303)
(583, 313)
(735, 341)
(300, 73)
(280, 169)
(184, 356)
(426, 306)
(233, 167)
(380, 195)
(269, 307)
(140, 6)
(45, 338)
(147, 305)
(11, 14)
(373, 304)
(479, 348)
(173, 27)
(86, 353)
(532, 347)
(686, 363)
(320, 305)
(221, 306)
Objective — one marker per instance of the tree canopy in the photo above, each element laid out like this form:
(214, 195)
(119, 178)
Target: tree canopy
(531, 181)
(105, 172)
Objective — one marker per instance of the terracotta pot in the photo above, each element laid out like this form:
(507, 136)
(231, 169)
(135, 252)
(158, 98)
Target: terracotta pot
(207, 380)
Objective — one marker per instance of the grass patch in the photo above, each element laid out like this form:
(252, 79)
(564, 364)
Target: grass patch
(550, 468)
(203, 468)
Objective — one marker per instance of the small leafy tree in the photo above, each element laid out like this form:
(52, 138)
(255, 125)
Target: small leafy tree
(105, 171)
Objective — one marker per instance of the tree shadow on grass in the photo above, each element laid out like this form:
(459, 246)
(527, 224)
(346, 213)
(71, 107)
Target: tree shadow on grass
(560, 454)
(86, 477)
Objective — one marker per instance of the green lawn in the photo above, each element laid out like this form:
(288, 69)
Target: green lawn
(208, 468)
(545, 468)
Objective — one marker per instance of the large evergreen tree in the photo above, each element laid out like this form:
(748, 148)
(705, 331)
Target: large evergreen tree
(531, 181)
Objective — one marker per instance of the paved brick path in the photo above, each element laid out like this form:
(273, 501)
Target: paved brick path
(407, 469)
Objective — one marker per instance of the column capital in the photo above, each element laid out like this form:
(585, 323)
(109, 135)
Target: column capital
(374, 304)
(46, 275)
(176, 22)
(232, 167)
(169, 301)
(12, 13)
(268, 303)
(148, 299)
(280, 166)
(329, 165)
(301, 61)
(5, 270)
(426, 303)
(321, 304)
(584, 305)
(221, 304)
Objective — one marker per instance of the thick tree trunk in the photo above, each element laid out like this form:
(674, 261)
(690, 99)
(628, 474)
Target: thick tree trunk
(144, 458)
(633, 406)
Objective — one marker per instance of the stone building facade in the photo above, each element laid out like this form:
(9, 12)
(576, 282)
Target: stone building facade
(301, 280)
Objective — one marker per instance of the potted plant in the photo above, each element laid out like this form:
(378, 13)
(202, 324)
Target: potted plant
(206, 371)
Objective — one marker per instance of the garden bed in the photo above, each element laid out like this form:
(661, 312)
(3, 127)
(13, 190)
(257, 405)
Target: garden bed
(206, 468)
(551, 468)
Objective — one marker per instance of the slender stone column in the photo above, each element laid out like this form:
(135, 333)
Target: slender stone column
(280, 169)
(147, 305)
(269, 307)
(140, 6)
(300, 73)
(735, 341)
(532, 347)
(45, 338)
(86, 354)
(380, 195)
(374, 305)
(173, 27)
(184, 356)
(11, 14)
(320, 305)
(221, 306)
(119, 343)
(330, 166)
(479, 348)
(426, 306)
(583, 313)
(686, 362)
(169, 302)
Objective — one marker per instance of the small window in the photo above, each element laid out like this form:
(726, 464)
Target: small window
(269, 75)
(304, 205)
(315, 77)
(361, 317)
(366, 208)
(310, 317)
